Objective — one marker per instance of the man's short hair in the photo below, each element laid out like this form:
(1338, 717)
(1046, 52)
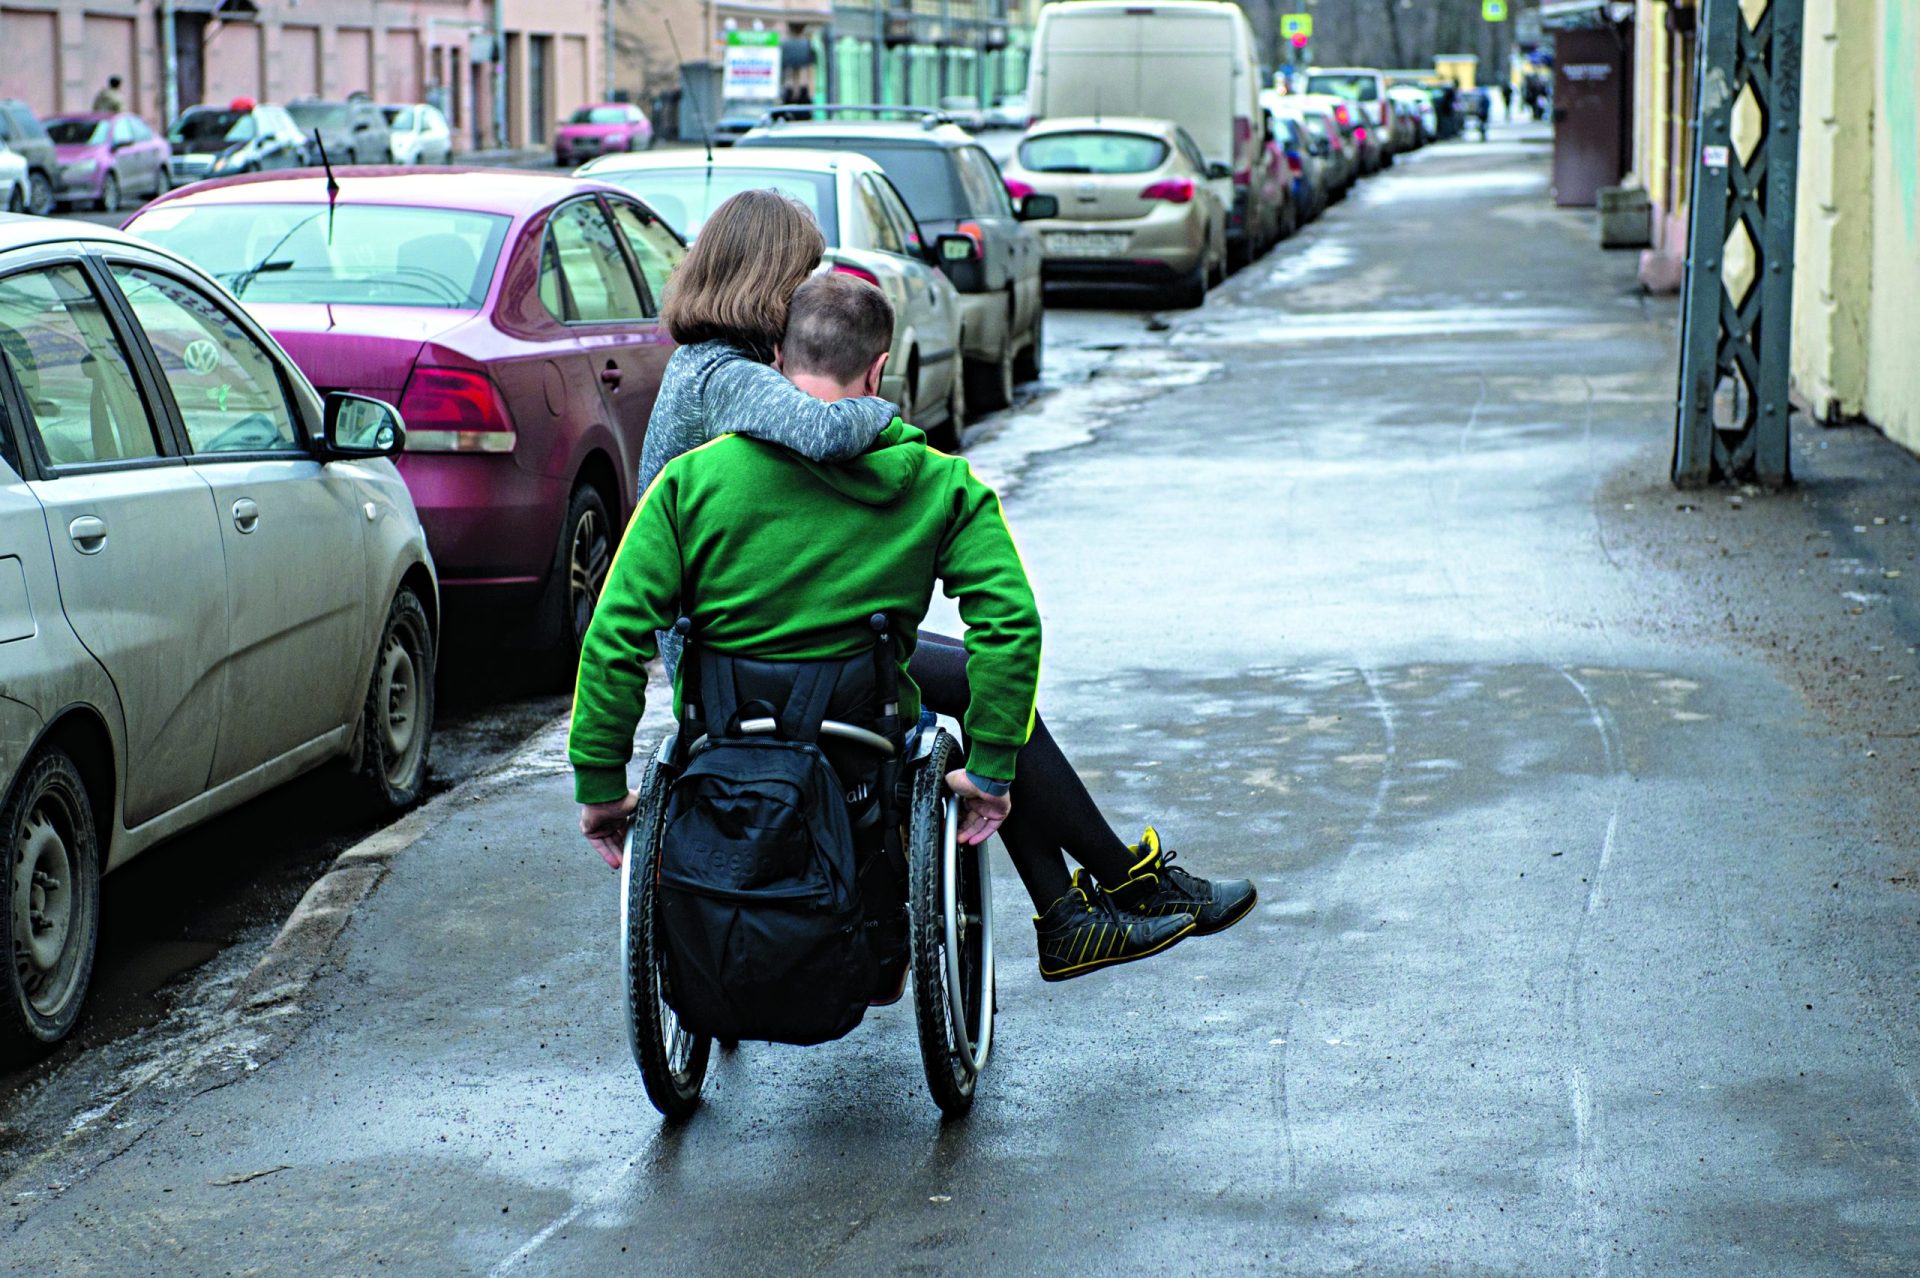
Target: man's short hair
(837, 325)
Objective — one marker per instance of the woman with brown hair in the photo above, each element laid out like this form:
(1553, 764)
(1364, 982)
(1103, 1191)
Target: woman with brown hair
(727, 307)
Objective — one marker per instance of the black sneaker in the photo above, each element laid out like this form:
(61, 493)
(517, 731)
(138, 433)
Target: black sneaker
(1084, 930)
(1156, 886)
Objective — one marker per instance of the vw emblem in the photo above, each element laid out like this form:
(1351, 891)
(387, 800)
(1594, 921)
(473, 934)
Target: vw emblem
(201, 356)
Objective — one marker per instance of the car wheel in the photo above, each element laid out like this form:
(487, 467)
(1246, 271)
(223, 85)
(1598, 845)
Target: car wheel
(947, 438)
(17, 201)
(51, 898)
(396, 726)
(1032, 356)
(162, 179)
(586, 555)
(1192, 291)
(40, 198)
(110, 194)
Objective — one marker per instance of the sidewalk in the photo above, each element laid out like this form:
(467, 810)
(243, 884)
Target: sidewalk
(1582, 812)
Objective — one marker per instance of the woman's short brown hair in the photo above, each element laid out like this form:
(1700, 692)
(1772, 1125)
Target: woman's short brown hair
(736, 280)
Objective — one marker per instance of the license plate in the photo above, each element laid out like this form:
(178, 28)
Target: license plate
(1073, 244)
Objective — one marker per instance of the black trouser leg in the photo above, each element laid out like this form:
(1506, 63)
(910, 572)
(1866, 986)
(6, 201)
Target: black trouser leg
(1052, 811)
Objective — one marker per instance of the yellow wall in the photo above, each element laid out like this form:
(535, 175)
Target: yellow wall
(1893, 347)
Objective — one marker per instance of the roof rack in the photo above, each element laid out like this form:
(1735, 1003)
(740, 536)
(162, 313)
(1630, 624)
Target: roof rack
(929, 117)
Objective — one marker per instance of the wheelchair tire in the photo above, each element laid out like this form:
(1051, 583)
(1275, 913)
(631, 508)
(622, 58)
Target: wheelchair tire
(952, 987)
(673, 1062)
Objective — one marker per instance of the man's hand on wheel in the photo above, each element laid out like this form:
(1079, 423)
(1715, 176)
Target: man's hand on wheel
(605, 826)
(980, 813)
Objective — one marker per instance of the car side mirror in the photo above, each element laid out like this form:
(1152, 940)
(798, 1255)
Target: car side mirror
(959, 259)
(121, 144)
(360, 426)
(1038, 206)
(1218, 170)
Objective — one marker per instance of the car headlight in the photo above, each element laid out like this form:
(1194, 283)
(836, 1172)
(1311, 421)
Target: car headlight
(231, 160)
(79, 170)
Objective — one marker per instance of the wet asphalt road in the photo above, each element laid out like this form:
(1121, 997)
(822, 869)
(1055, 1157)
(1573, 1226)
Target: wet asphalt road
(1342, 591)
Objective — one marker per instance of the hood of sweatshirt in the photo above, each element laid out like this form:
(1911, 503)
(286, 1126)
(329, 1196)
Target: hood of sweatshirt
(881, 475)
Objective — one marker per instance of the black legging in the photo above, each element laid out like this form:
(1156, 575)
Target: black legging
(1052, 811)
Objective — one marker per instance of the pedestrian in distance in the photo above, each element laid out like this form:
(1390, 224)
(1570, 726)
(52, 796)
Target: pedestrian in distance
(108, 101)
(727, 306)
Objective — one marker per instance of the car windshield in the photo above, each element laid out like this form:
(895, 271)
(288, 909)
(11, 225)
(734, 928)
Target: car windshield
(599, 115)
(211, 130)
(1093, 152)
(357, 254)
(685, 198)
(398, 117)
(78, 132)
(319, 115)
(1354, 88)
(924, 175)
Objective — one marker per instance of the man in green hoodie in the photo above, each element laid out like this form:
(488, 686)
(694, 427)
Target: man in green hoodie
(783, 559)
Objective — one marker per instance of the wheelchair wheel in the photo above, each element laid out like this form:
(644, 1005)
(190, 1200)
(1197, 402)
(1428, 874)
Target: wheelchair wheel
(951, 906)
(672, 1061)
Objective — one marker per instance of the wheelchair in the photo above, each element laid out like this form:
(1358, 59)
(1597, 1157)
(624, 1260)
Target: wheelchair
(938, 890)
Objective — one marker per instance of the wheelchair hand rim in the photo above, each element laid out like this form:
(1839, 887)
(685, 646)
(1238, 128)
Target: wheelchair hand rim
(971, 1044)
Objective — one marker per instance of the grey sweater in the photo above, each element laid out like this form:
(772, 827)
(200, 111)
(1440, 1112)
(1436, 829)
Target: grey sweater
(716, 388)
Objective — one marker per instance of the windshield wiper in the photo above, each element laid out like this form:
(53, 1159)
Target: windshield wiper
(267, 261)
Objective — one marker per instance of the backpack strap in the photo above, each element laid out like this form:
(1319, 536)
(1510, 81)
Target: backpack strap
(808, 699)
(721, 705)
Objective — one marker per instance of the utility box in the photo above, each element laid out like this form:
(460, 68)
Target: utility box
(1626, 217)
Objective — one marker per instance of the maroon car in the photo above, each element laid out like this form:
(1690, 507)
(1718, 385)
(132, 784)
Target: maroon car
(106, 156)
(601, 129)
(513, 317)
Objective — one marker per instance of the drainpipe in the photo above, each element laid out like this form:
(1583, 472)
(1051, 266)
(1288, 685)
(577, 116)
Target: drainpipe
(499, 73)
(607, 57)
(169, 66)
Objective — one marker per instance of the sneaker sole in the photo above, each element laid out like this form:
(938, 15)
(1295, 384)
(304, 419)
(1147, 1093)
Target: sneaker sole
(1229, 920)
(1068, 973)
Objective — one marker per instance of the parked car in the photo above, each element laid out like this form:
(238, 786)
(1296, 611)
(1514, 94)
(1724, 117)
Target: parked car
(1194, 62)
(513, 316)
(241, 137)
(22, 132)
(418, 134)
(354, 131)
(1008, 112)
(1304, 162)
(1414, 115)
(103, 157)
(964, 110)
(1334, 119)
(601, 128)
(1136, 204)
(869, 233)
(1366, 88)
(13, 181)
(212, 581)
(953, 187)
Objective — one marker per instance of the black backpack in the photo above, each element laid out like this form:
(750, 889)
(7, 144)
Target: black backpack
(766, 936)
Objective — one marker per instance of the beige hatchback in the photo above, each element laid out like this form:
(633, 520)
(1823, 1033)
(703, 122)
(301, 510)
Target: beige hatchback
(1139, 204)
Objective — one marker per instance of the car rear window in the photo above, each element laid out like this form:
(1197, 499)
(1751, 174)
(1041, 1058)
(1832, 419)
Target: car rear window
(686, 198)
(1093, 152)
(357, 254)
(925, 176)
(599, 115)
(211, 130)
(1354, 88)
(321, 115)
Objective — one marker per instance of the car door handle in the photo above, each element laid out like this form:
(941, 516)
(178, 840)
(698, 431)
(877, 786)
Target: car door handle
(89, 535)
(246, 515)
(611, 375)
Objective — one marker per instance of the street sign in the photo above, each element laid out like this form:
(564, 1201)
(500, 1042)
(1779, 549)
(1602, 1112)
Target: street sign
(1493, 10)
(1297, 27)
(751, 68)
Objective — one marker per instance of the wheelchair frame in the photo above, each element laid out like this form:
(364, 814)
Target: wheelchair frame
(949, 909)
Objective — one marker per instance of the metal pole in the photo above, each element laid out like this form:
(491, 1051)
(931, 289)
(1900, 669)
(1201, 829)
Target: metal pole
(499, 73)
(606, 58)
(169, 64)
(879, 51)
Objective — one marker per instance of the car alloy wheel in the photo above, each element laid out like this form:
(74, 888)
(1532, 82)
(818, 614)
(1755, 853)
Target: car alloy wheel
(589, 556)
(40, 199)
(110, 194)
(52, 902)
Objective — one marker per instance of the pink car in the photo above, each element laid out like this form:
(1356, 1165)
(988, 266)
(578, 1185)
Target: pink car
(104, 158)
(514, 319)
(599, 129)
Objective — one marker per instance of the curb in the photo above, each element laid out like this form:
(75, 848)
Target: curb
(305, 941)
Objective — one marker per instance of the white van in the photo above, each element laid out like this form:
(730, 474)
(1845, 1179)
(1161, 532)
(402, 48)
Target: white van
(1189, 61)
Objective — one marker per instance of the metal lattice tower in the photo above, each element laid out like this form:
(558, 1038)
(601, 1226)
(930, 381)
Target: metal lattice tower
(1737, 327)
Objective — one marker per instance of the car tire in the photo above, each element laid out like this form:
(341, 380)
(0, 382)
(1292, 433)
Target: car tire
(396, 723)
(51, 886)
(1027, 365)
(162, 180)
(947, 437)
(17, 201)
(109, 201)
(40, 197)
(586, 554)
(1191, 291)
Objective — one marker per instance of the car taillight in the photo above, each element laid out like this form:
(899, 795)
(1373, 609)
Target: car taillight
(843, 269)
(455, 410)
(1295, 166)
(973, 232)
(1017, 189)
(1172, 190)
(1360, 134)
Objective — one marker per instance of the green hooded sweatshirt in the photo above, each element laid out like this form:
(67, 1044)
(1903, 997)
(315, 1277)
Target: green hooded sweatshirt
(783, 559)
